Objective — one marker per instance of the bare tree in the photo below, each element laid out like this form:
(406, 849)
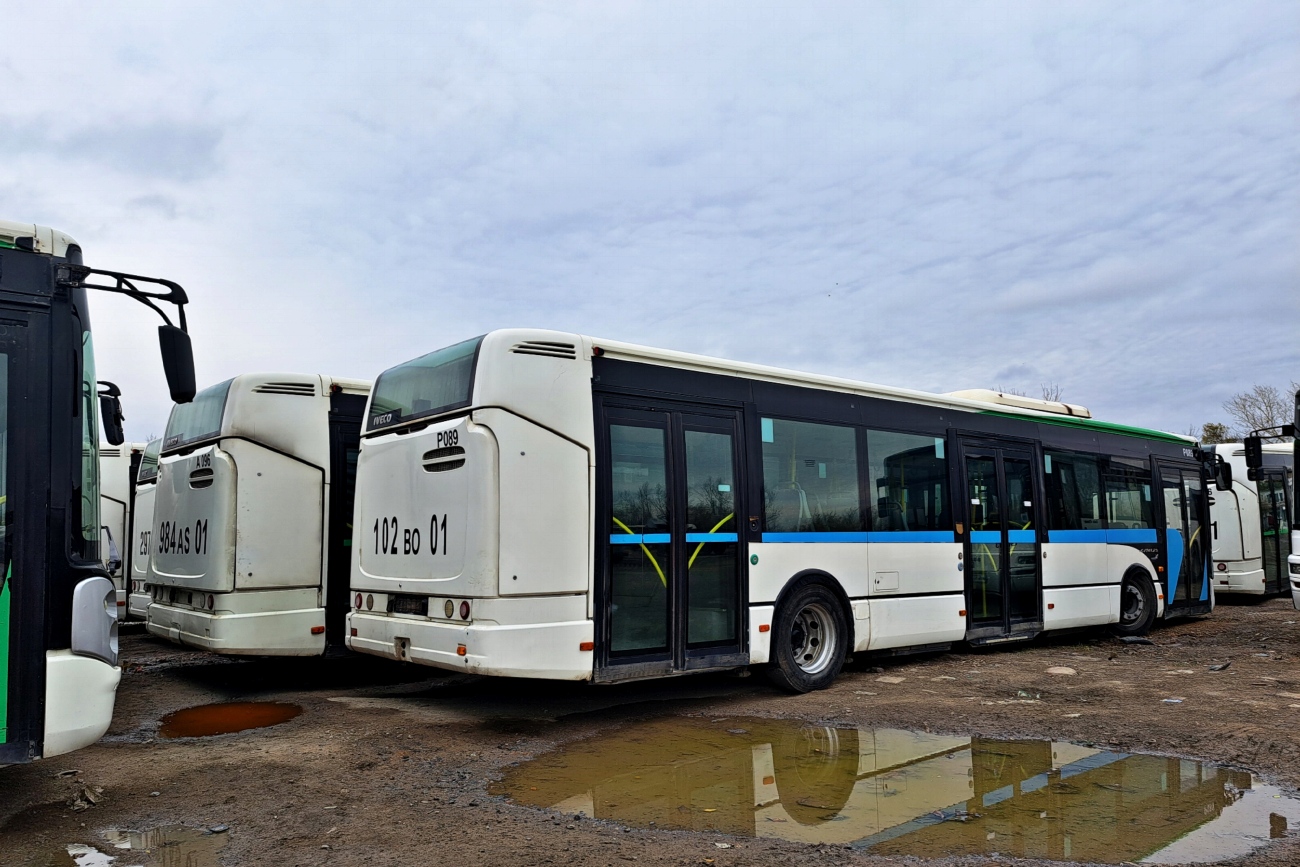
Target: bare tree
(1052, 391)
(1262, 407)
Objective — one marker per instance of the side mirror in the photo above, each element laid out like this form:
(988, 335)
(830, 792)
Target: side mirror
(1223, 475)
(1254, 452)
(110, 412)
(178, 362)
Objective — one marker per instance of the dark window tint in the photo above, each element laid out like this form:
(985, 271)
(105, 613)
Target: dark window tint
(1073, 491)
(428, 385)
(810, 477)
(909, 482)
(1128, 496)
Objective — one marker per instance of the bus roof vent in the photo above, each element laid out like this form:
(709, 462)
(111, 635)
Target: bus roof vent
(546, 347)
(988, 395)
(303, 389)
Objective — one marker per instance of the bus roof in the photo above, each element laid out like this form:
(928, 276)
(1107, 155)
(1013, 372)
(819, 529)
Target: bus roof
(616, 349)
(45, 240)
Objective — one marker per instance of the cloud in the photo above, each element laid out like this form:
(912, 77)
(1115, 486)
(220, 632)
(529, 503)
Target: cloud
(939, 195)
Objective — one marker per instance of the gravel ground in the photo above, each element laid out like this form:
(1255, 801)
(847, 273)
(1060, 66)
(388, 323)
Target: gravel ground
(391, 765)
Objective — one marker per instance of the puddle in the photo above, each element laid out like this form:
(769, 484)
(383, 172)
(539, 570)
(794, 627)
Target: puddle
(168, 846)
(220, 719)
(894, 792)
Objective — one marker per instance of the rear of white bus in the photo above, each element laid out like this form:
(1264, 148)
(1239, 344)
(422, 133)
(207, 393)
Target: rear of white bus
(472, 544)
(236, 545)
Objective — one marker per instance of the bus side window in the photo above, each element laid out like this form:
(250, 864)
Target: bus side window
(1073, 491)
(810, 477)
(909, 482)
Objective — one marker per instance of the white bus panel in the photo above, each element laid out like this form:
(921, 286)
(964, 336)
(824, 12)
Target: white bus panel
(1251, 523)
(146, 485)
(117, 466)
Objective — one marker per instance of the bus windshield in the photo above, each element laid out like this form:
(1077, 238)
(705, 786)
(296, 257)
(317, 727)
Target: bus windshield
(199, 419)
(430, 384)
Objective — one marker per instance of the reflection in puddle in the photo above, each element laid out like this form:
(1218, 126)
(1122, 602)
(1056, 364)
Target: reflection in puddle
(220, 719)
(169, 846)
(907, 793)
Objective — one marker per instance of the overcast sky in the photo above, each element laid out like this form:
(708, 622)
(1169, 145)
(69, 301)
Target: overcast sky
(1105, 196)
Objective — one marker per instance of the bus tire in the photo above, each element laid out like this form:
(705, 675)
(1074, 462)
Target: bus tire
(1137, 605)
(810, 639)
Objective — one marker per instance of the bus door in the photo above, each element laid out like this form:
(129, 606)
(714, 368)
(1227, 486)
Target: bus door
(1002, 560)
(1275, 527)
(1186, 548)
(346, 411)
(670, 552)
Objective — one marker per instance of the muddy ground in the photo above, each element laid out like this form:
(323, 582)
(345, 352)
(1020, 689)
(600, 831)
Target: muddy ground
(391, 765)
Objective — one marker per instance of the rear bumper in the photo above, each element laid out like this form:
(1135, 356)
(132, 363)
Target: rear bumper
(551, 651)
(1248, 581)
(137, 605)
(269, 633)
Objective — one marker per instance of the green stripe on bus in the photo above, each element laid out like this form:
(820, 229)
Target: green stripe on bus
(1101, 426)
(4, 657)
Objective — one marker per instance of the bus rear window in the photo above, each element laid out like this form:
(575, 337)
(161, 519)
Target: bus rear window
(428, 385)
(200, 419)
(149, 462)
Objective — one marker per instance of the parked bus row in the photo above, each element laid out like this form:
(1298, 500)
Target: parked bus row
(543, 504)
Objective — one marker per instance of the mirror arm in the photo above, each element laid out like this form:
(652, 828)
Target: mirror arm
(74, 277)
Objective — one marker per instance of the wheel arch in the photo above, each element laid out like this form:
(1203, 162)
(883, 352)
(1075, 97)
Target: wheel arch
(1140, 572)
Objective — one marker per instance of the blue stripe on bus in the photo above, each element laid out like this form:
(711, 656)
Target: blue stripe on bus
(994, 537)
(711, 537)
(1115, 535)
(1098, 536)
(906, 536)
(638, 539)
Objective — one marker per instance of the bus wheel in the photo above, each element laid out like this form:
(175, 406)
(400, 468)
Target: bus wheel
(809, 640)
(1137, 605)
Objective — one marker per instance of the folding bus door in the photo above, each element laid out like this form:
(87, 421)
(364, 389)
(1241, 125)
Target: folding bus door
(1002, 563)
(1186, 545)
(672, 560)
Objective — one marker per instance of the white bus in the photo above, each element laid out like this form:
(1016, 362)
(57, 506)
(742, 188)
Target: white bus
(544, 504)
(1251, 523)
(117, 466)
(146, 485)
(251, 526)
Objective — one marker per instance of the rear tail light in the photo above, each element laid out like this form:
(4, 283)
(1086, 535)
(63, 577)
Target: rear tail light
(1222, 567)
(370, 602)
(318, 630)
(358, 601)
(464, 610)
(212, 602)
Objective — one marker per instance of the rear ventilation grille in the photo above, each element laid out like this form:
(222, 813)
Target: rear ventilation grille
(547, 348)
(110, 453)
(442, 460)
(302, 389)
(201, 478)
